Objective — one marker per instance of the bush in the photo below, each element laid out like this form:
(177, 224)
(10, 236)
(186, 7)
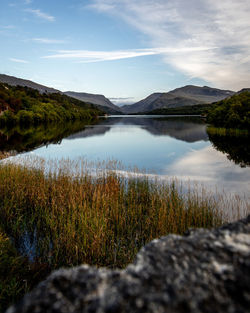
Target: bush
(233, 112)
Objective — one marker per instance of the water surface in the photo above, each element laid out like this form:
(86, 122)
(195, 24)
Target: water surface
(166, 146)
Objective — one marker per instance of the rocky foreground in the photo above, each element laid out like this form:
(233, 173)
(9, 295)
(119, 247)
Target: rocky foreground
(202, 271)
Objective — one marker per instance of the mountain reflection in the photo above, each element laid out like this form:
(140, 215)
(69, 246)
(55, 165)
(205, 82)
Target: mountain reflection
(181, 128)
(186, 129)
(175, 146)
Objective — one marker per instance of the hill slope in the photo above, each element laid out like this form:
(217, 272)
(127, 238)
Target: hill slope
(24, 105)
(99, 100)
(184, 96)
(92, 98)
(141, 106)
(233, 112)
(14, 81)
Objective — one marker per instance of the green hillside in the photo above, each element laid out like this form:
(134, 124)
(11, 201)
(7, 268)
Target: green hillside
(23, 105)
(198, 109)
(233, 112)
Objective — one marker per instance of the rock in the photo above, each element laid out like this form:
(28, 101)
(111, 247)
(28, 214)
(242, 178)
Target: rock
(202, 271)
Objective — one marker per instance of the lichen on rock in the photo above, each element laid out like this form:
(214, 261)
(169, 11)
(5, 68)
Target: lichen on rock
(202, 271)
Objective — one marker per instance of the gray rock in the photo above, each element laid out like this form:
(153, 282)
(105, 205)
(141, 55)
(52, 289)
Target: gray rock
(202, 271)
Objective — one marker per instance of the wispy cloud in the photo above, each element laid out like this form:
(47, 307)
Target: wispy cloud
(18, 60)
(196, 23)
(27, 1)
(87, 56)
(8, 27)
(38, 13)
(48, 40)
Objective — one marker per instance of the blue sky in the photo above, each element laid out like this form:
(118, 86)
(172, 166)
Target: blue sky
(124, 48)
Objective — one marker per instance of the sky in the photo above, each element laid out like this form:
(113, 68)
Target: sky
(126, 49)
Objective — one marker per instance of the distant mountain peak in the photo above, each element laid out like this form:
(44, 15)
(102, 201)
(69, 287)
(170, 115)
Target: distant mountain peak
(183, 96)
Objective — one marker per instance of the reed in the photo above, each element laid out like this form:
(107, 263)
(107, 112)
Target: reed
(67, 213)
(221, 131)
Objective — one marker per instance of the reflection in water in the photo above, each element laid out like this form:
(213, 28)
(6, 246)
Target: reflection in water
(236, 148)
(213, 169)
(173, 146)
(188, 129)
(25, 139)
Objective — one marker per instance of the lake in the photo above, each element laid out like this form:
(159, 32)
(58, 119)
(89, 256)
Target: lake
(166, 146)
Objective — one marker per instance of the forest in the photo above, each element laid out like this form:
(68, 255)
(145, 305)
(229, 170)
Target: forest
(27, 106)
(233, 112)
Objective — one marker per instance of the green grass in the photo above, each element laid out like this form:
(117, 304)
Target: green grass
(221, 131)
(72, 214)
(17, 275)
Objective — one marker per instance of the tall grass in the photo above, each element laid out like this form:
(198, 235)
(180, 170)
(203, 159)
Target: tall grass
(67, 213)
(74, 212)
(5, 154)
(17, 275)
(221, 131)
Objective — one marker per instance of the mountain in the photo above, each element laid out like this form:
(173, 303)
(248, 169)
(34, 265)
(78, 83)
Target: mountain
(184, 96)
(99, 100)
(14, 81)
(243, 90)
(141, 106)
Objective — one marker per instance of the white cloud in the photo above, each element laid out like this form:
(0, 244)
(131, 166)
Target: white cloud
(48, 41)
(87, 56)
(184, 24)
(27, 1)
(18, 60)
(40, 14)
(122, 100)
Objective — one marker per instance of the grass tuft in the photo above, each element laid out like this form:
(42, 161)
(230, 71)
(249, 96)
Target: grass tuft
(67, 213)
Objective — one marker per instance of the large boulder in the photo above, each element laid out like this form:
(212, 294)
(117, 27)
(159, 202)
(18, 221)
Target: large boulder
(202, 271)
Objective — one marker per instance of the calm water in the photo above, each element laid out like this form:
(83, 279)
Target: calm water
(173, 146)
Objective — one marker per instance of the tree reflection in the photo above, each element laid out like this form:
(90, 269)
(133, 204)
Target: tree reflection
(26, 139)
(236, 148)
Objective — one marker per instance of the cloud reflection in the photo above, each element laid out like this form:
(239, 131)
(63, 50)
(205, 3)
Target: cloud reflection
(213, 168)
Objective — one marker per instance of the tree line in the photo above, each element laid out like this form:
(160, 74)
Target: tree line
(233, 112)
(24, 105)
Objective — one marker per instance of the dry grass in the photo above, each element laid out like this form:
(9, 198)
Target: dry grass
(75, 213)
(66, 213)
(5, 155)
